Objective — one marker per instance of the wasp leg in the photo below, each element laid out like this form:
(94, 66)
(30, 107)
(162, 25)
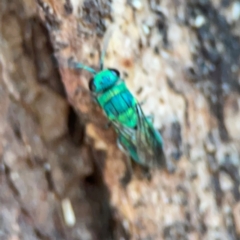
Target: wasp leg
(141, 172)
(150, 118)
(128, 163)
(108, 125)
(146, 173)
(125, 180)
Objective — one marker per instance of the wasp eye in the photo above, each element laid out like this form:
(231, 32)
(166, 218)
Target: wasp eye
(91, 84)
(115, 71)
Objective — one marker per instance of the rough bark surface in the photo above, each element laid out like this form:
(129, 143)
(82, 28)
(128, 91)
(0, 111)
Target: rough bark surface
(181, 58)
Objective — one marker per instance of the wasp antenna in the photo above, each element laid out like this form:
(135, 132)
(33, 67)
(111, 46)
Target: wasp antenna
(78, 65)
(105, 45)
(82, 66)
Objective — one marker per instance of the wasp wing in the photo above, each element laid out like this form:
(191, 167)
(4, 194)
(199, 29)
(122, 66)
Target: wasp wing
(143, 143)
(148, 142)
(127, 139)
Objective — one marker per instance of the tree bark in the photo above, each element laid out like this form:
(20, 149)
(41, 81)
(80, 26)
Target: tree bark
(60, 167)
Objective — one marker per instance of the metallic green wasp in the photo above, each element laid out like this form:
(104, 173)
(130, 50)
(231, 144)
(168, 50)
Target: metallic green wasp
(136, 133)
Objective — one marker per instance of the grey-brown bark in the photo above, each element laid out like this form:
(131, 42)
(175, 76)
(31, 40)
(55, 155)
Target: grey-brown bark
(180, 57)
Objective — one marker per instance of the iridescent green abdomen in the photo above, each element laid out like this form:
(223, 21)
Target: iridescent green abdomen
(119, 105)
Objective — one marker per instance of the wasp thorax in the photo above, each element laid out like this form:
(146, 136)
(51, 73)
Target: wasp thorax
(104, 80)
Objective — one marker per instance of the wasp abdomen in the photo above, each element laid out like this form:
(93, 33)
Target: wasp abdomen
(119, 105)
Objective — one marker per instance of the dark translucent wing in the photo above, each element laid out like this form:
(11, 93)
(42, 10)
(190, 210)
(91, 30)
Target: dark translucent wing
(126, 132)
(148, 142)
(128, 146)
(127, 138)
